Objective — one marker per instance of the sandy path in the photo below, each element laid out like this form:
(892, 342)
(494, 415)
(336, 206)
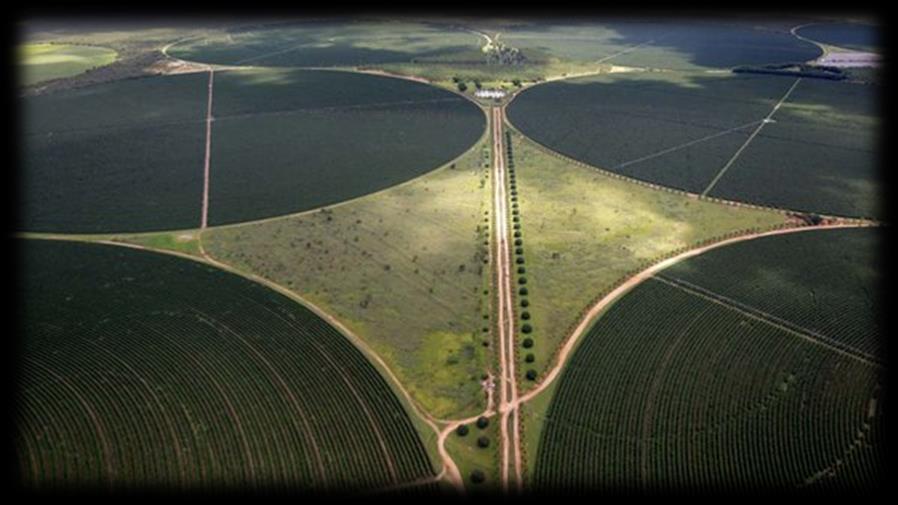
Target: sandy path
(632, 282)
(205, 213)
(508, 391)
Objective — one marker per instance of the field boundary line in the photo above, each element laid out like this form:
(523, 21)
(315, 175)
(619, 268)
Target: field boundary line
(686, 144)
(751, 137)
(206, 161)
(768, 318)
(594, 311)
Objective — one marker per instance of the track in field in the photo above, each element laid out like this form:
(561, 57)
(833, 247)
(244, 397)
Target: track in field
(139, 368)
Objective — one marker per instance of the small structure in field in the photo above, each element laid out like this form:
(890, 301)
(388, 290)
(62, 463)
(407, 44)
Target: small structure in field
(490, 93)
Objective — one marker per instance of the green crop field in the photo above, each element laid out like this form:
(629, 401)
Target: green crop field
(139, 369)
(327, 43)
(123, 156)
(42, 62)
(680, 388)
(404, 269)
(687, 45)
(681, 130)
(857, 36)
(583, 231)
(828, 135)
(288, 141)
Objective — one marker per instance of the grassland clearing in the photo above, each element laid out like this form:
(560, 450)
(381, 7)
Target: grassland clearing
(190, 365)
(402, 268)
(43, 62)
(697, 397)
(583, 231)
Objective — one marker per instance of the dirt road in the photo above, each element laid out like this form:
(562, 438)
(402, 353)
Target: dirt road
(508, 391)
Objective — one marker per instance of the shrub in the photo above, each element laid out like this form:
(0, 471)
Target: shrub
(522, 291)
(517, 233)
(530, 358)
(522, 270)
(527, 328)
(522, 280)
(531, 375)
(462, 430)
(525, 315)
(528, 343)
(483, 442)
(518, 241)
(519, 250)
(525, 302)
(477, 477)
(462, 86)
(482, 422)
(519, 261)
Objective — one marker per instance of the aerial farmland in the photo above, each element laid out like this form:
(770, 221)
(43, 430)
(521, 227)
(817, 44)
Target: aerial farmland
(378, 256)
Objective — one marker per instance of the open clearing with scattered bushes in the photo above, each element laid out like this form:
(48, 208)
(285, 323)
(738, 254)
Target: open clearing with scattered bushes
(696, 386)
(405, 269)
(583, 231)
(142, 369)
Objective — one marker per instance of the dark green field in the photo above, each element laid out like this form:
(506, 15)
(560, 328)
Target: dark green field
(129, 156)
(857, 36)
(680, 131)
(277, 149)
(821, 155)
(744, 368)
(139, 369)
(124, 156)
(327, 43)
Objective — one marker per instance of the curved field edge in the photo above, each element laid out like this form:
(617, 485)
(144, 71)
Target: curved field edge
(580, 233)
(373, 262)
(425, 428)
(535, 404)
(75, 59)
(697, 164)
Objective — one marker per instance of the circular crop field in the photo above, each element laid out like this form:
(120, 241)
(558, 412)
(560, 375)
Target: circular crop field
(756, 366)
(138, 369)
(326, 43)
(808, 145)
(131, 155)
(860, 37)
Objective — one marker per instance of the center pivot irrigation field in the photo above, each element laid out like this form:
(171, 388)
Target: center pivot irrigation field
(702, 378)
(769, 140)
(129, 155)
(140, 369)
(328, 43)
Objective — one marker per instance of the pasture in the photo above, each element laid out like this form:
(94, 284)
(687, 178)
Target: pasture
(584, 231)
(676, 387)
(817, 154)
(404, 269)
(139, 369)
(37, 62)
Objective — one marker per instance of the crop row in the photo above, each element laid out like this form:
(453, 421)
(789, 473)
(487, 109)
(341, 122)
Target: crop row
(670, 390)
(176, 375)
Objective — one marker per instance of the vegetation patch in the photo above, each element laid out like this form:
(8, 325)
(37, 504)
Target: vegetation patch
(125, 156)
(403, 269)
(675, 387)
(288, 141)
(586, 231)
(40, 62)
(197, 379)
